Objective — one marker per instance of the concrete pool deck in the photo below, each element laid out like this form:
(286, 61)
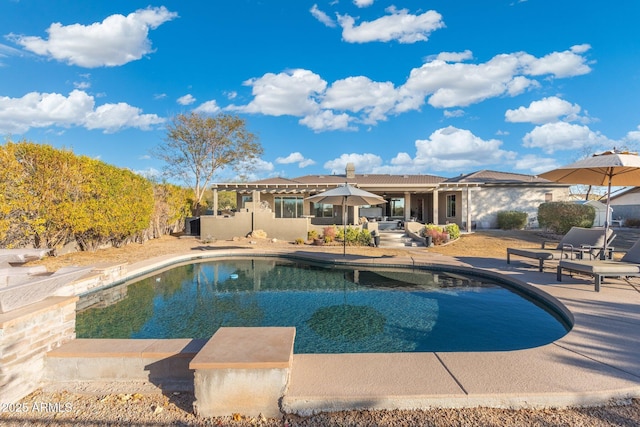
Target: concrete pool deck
(597, 361)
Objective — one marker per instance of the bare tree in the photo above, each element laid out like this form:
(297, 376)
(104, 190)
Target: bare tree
(197, 146)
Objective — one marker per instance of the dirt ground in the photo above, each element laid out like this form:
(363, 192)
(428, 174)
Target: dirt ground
(484, 244)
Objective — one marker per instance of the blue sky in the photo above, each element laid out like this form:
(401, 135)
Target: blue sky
(439, 87)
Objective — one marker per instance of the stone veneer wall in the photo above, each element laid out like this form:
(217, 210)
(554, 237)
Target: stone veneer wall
(26, 335)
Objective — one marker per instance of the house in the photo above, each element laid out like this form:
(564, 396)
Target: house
(471, 201)
(626, 205)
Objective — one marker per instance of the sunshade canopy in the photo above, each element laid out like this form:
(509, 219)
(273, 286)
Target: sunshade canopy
(609, 168)
(347, 195)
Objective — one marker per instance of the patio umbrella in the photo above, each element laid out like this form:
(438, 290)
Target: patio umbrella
(346, 195)
(610, 168)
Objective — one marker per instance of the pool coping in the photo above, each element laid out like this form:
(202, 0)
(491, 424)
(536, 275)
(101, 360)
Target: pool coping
(596, 362)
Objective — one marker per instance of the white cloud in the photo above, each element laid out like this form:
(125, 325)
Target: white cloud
(364, 163)
(296, 157)
(359, 100)
(453, 56)
(633, 135)
(399, 25)
(459, 85)
(39, 110)
(149, 173)
(453, 113)
(82, 85)
(306, 162)
(115, 41)
(159, 96)
(534, 164)
(559, 64)
(456, 84)
(363, 3)
(291, 158)
(451, 148)
(322, 17)
(360, 94)
(257, 169)
(448, 149)
(114, 117)
(291, 93)
(327, 120)
(187, 99)
(558, 136)
(209, 107)
(547, 110)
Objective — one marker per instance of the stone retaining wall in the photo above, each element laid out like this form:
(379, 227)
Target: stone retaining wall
(26, 335)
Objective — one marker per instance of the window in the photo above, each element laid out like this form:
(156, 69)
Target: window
(288, 206)
(323, 210)
(397, 207)
(451, 205)
(245, 200)
(548, 197)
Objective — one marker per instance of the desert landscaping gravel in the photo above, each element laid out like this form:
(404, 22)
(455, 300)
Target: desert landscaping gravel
(71, 409)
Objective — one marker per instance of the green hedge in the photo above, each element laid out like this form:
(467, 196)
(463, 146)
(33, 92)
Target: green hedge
(50, 197)
(559, 217)
(512, 220)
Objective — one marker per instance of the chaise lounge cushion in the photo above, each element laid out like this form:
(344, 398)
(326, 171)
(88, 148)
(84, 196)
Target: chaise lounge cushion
(576, 238)
(629, 265)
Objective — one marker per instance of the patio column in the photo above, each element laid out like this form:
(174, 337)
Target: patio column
(255, 200)
(407, 206)
(215, 200)
(468, 208)
(435, 207)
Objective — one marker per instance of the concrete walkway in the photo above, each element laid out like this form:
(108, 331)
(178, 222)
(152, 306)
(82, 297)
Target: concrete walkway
(598, 360)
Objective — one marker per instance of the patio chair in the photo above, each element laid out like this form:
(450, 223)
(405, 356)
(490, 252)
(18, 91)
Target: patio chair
(577, 243)
(628, 266)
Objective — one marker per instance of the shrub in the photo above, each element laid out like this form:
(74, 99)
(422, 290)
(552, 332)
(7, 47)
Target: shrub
(453, 230)
(51, 197)
(438, 237)
(632, 222)
(364, 237)
(559, 217)
(312, 234)
(355, 236)
(512, 220)
(330, 233)
(299, 241)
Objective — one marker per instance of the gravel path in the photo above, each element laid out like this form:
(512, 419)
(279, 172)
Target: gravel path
(69, 409)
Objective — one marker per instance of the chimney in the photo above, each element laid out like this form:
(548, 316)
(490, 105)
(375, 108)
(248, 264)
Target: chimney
(350, 170)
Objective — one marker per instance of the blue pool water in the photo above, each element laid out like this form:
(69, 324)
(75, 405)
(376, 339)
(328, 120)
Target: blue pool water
(334, 310)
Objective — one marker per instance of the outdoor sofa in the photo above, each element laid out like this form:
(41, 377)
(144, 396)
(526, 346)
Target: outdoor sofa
(628, 266)
(577, 243)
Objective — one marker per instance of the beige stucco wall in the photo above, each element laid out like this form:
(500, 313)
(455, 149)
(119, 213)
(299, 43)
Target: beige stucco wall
(486, 202)
(244, 222)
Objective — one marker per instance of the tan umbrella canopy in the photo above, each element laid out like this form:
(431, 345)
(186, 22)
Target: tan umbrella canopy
(346, 195)
(610, 168)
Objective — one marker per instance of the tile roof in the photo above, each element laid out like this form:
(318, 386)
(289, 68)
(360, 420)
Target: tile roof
(488, 177)
(380, 181)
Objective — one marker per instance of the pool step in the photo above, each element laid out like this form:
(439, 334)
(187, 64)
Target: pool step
(397, 239)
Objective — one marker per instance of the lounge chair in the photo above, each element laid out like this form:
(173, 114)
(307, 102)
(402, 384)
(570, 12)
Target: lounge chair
(577, 243)
(628, 266)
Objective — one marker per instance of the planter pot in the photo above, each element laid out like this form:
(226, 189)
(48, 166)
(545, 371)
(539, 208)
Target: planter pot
(318, 242)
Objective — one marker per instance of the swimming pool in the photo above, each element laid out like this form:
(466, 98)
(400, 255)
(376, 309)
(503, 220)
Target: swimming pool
(334, 309)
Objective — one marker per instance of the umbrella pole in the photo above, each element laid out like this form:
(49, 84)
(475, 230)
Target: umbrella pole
(606, 218)
(344, 227)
